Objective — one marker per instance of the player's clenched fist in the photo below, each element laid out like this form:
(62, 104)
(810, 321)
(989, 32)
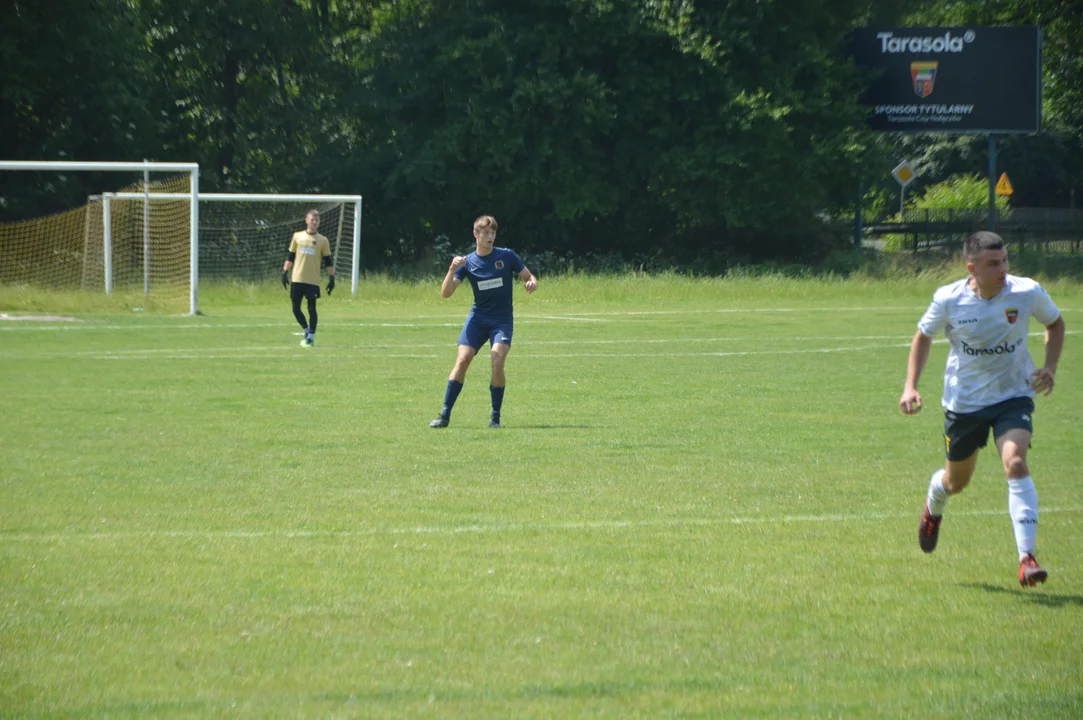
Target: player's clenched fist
(910, 402)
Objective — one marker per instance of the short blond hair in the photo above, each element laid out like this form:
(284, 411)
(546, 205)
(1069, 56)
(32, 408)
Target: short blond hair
(485, 221)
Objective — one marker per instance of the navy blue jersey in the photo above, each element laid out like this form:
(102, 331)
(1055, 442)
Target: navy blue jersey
(492, 277)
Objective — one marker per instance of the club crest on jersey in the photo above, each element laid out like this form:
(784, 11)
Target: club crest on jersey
(1012, 314)
(499, 264)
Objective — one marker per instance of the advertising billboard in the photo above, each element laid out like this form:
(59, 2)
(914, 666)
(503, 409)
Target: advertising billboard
(965, 80)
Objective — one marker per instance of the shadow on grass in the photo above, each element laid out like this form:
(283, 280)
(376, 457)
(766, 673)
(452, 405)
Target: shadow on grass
(1034, 595)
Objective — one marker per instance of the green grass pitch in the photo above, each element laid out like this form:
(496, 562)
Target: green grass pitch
(703, 503)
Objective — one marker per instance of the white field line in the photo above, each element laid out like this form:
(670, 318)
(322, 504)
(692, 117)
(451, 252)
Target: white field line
(448, 320)
(721, 353)
(445, 320)
(451, 344)
(288, 353)
(242, 352)
(93, 326)
(489, 528)
(263, 352)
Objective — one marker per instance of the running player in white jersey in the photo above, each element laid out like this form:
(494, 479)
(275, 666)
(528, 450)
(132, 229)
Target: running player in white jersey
(989, 384)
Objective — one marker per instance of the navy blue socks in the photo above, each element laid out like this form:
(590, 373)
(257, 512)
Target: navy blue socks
(450, 396)
(497, 394)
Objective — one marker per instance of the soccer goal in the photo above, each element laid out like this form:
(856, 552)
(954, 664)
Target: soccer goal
(167, 238)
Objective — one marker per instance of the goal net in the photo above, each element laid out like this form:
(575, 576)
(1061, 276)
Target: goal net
(130, 245)
(61, 251)
(138, 240)
(247, 240)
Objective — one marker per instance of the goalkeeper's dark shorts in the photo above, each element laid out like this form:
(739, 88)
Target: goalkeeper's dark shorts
(304, 290)
(966, 433)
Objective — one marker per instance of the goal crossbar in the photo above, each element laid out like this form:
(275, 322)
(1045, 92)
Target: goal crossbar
(241, 197)
(58, 165)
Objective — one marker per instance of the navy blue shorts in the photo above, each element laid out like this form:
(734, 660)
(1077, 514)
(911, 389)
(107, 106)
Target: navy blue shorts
(479, 330)
(966, 433)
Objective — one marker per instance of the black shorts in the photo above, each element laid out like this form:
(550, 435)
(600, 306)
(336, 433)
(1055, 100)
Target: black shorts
(966, 433)
(304, 290)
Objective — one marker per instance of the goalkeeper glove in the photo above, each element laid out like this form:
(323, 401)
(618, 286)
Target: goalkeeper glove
(330, 284)
(286, 279)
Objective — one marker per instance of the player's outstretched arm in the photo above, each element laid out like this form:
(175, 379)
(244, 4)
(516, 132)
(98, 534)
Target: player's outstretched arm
(910, 402)
(529, 281)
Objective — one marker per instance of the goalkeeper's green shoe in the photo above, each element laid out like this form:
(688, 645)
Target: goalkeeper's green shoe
(307, 343)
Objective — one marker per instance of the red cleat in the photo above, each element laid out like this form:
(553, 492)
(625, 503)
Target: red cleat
(929, 531)
(1030, 572)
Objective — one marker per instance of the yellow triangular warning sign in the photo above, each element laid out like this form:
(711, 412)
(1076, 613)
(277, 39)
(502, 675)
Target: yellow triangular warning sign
(1004, 185)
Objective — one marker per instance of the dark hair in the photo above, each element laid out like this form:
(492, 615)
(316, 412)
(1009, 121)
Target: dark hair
(981, 241)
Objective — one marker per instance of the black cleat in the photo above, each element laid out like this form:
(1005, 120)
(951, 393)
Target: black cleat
(929, 530)
(439, 422)
(494, 423)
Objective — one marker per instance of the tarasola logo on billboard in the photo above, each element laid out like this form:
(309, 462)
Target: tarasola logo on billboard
(986, 79)
(889, 43)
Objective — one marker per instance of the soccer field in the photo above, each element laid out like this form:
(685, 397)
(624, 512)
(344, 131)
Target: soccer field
(703, 503)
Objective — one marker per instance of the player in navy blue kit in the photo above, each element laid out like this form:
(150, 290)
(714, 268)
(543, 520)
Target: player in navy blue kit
(491, 272)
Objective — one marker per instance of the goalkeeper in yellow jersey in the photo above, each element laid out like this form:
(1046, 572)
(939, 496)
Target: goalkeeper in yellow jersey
(308, 250)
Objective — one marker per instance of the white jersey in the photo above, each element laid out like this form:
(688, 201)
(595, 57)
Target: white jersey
(989, 361)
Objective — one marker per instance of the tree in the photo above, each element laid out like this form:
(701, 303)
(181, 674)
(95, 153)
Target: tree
(251, 86)
(646, 128)
(73, 81)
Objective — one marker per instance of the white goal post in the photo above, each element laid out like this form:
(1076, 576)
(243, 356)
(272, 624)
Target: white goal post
(192, 198)
(192, 169)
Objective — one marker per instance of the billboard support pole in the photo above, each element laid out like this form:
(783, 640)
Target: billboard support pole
(858, 229)
(992, 182)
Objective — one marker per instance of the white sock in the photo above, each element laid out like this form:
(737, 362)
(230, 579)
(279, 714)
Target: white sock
(938, 496)
(1023, 507)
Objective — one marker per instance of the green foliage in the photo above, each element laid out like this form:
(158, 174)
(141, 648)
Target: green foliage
(954, 198)
(248, 82)
(74, 80)
(1047, 265)
(613, 128)
(655, 131)
(970, 192)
